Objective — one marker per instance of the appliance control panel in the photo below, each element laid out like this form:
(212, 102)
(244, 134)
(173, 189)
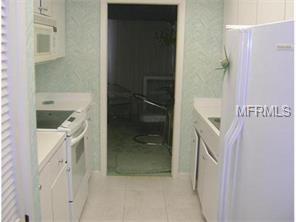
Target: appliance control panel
(76, 118)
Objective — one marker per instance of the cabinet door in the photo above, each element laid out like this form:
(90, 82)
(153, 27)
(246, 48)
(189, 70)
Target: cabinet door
(59, 11)
(59, 197)
(88, 143)
(45, 200)
(37, 6)
(289, 10)
(270, 11)
(210, 181)
(247, 12)
(46, 7)
(202, 164)
(194, 157)
(230, 12)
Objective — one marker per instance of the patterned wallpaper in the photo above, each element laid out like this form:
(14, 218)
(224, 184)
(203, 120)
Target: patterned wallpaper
(79, 70)
(203, 50)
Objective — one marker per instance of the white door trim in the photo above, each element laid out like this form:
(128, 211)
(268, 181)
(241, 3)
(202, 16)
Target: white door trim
(22, 111)
(178, 81)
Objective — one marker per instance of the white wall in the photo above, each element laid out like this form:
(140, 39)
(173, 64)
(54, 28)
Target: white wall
(250, 12)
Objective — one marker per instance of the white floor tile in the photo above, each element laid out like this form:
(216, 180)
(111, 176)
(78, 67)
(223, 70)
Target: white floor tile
(144, 183)
(108, 183)
(107, 198)
(99, 220)
(141, 199)
(96, 213)
(184, 214)
(171, 185)
(145, 214)
(181, 200)
(145, 221)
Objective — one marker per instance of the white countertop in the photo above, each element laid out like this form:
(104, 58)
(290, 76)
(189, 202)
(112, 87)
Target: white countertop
(208, 107)
(47, 144)
(63, 101)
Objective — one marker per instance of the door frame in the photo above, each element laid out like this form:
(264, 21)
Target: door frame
(178, 76)
(22, 99)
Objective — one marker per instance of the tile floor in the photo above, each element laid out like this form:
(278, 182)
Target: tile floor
(141, 199)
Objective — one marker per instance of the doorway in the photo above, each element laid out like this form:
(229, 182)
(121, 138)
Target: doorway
(141, 83)
(135, 103)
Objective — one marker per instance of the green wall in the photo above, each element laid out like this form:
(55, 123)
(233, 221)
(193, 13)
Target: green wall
(203, 47)
(79, 70)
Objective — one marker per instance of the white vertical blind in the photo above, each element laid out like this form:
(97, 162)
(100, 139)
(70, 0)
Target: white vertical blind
(9, 197)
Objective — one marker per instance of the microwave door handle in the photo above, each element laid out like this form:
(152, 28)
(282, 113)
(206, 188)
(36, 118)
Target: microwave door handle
(78, 138)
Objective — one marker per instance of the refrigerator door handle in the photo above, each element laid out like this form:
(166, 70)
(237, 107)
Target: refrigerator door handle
(231, 151)
(227, 180)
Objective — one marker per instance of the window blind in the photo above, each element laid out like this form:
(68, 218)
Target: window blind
(9, 196)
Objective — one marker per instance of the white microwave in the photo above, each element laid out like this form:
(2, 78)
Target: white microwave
(45, 43)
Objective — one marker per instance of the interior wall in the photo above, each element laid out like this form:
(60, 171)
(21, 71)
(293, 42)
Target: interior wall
(135, 52)
(79, 70)
(203, 51)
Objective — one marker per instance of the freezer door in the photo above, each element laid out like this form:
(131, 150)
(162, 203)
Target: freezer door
(264, 188)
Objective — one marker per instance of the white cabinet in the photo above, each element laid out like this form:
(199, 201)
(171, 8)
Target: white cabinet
(194, 157)
(88, 142)
(46, 7)
(247, 11)
(251, 12)
(43, 7)
(289, 10)
(54, 187)
(37, 6)
(59, 197)
(230, 12)
(59, 11)
(56, 10)
(208, 183)
(201, 174)
(270, 11)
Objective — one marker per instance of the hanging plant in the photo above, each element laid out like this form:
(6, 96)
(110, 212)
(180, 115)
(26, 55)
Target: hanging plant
(168, 37)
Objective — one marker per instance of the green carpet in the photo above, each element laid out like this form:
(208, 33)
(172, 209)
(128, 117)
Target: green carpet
(127, 157)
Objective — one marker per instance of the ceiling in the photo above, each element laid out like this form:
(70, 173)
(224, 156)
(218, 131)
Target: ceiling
(142, 12)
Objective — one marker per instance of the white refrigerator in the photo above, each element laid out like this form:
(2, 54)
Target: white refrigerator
(257, 155)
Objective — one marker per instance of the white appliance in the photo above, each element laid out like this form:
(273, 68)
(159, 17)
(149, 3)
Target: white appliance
(45, 39)
(256, 181)
(75, 125)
